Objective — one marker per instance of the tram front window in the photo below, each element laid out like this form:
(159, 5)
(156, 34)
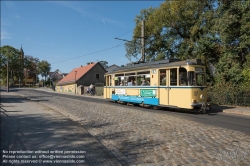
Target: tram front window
(196, 79)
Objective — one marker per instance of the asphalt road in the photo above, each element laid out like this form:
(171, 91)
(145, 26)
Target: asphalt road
(219, 119)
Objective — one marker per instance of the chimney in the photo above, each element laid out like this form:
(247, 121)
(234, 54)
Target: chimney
(88, 63)
(81, 65)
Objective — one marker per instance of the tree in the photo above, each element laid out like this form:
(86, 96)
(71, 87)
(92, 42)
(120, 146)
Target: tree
(44, 68)
(11, 56)
(31, 64)
(215, 31)
(233, 27)
(104, 63)
(175, 29)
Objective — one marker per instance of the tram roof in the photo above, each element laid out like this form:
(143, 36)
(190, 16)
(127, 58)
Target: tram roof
(157, 64)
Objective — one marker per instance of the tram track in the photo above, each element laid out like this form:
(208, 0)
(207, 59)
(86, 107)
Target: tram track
(215, 118)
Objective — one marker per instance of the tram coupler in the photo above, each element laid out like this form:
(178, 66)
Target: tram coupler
(201, 107)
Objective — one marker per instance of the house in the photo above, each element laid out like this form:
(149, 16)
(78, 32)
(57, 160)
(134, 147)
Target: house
(56, 76)
(92, 73)
(111, 68)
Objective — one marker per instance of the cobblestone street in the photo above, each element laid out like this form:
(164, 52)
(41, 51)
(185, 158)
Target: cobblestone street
(137, 137)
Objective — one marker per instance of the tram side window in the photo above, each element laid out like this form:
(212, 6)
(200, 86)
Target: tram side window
(200, 79)
(117, 81)
(125, 81)
(191, 78)
(146, 81)
(131, 81)
(173, 77)
(183, 76)
(196, 79)
(163, 77)
(143, 78)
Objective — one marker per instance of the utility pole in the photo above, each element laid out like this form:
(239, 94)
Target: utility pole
(142, 59)
(142, 41)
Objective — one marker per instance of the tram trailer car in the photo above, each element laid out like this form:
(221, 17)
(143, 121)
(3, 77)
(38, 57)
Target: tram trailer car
(165, 83)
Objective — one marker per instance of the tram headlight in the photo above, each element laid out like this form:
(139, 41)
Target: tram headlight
(202, 96)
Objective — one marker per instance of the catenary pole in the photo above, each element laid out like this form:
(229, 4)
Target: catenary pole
(143, 41)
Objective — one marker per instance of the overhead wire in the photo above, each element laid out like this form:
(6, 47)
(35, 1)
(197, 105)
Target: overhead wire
(94, 52)
(126, 32)
(88, 54)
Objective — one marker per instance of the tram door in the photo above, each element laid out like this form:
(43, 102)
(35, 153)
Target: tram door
(164, 86)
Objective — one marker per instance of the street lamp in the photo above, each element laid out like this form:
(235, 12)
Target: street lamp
(75, 82)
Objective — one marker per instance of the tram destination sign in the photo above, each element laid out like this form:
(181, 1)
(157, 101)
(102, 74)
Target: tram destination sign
(147, 92)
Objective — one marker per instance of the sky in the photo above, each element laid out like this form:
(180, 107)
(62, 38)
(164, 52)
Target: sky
(69, 34)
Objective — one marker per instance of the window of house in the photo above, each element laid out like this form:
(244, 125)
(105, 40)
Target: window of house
(97, 76)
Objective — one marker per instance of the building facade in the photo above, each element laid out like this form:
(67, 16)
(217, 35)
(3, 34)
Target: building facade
(83, 76)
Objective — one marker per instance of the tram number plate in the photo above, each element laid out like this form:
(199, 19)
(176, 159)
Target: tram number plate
(195, 93)
(147, 92)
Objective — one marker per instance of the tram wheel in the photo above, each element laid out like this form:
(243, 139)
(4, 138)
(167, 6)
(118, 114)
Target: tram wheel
(155, 107)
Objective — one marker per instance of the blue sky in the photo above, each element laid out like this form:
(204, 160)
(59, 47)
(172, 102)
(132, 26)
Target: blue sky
(60, 30)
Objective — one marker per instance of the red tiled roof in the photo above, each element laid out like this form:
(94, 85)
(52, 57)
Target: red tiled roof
(72, 77)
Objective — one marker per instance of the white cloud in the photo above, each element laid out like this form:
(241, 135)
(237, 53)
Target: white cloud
(10, 4)
(84, 13)
(71, 6)
(17, 16)
(5, 35)
(4, 24)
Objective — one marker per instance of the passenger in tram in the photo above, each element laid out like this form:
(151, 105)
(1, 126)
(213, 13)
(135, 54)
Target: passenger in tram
(143, 83)
(182, 80)
(121, 84)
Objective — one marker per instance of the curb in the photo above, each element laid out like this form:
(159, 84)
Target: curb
(232, 110)
(240, 112)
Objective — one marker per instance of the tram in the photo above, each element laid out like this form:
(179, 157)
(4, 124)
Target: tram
(165, 83)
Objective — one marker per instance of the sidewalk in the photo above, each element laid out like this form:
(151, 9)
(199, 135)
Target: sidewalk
(232, 109)
(43, 136)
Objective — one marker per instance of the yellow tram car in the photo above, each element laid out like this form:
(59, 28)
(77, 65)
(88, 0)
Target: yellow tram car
(164, 83)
